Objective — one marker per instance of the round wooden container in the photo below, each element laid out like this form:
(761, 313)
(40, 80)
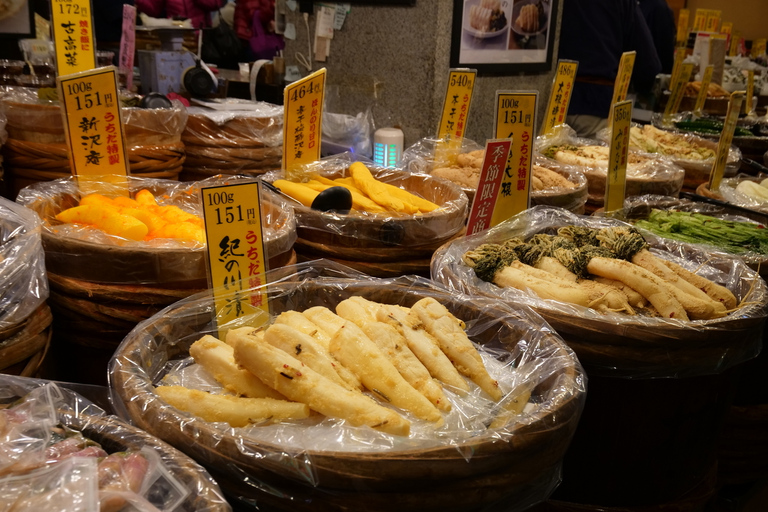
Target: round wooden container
(36, 147)
(384, 245)
(658, 390)
(24, 346)
(232, 142)
(516, 467)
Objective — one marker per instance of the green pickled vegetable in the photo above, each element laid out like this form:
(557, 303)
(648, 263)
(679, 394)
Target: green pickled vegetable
(710, 127)
(731, 236)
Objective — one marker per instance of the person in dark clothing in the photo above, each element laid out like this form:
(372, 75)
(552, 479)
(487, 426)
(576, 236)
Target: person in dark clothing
(661, 22)
(595, 33)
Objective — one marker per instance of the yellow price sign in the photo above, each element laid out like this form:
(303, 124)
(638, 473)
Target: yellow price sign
(237, 262)
(560, 96)
(489, 185)
(679, 58)
(73, 36)
(93, 126)
(454, 115)
(733, 48)
(683, 19)
(700, 20)
(758, 48)
(515, 119)
(726, 27)
(726, 137)
(701, 98)
(750, 90)
(677, 90)
(713, 20)
(303, 121)
(616, 178)
(621, 85)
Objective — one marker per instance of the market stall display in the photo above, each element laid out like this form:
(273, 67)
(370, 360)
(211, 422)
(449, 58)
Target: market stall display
(384, 236)
(323, 463)
(232, 141)
(25, 317)
(103, 285)
(59, 448)
(36, 149)
(673, 366)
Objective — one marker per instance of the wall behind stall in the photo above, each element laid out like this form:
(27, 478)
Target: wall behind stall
(398, 59)
(747, 16)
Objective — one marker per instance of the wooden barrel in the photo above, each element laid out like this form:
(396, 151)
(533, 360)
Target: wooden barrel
(24, 346)
(516, 464)
(36, 147)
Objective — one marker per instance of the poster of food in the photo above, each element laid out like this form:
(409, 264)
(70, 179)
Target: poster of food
(501, 36)
(16, 18)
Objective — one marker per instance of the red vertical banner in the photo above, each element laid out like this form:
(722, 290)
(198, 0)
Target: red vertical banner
(489, 187)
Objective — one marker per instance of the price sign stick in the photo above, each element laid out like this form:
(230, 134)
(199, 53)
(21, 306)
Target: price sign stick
(560, 95)
(302, 122)
(73, 36)
(700, 20)
(750, 91)
(515, 119)
(683, 18)
(237, 261)
(621, 85)
(489, 185)
(726, 137)
(676, 96)
(701, 98)
(455, 114)
(616, 178)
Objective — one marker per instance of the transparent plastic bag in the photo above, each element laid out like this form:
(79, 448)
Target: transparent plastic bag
(730, 192)
(355, 132)
(618, 344)
(23, 280)
(90, 457)
(327, 461)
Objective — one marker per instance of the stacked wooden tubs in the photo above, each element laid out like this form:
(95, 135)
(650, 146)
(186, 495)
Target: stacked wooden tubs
(246, 142)
(102, 286)
(25, 318)
(348, 468)
(36, 148)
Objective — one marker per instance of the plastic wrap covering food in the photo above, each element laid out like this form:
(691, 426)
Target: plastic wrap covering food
(746, 191)
(323, 462)
(84, 252)
(360, 228)
(621, 344)
(23, 283)
(420, 158)
(60, 452)
(233, 142)
(646, 174)
(693, 153)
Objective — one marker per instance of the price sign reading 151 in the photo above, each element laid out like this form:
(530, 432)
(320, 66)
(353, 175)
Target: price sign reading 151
(236, 257)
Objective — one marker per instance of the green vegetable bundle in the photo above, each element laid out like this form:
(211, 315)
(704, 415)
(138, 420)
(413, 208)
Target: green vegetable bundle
(710, 127)
(732, 236)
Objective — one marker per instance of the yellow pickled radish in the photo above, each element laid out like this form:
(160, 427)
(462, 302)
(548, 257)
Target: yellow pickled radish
(109, 220)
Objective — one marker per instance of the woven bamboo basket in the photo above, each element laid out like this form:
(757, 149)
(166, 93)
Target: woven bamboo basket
(24, 346)
(471, 472)
(384, 245)
(36, 147)
(243, 142)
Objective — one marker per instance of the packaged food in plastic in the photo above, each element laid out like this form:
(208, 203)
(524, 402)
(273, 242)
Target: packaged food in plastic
(23, 283)
(63, 453)
(80, 251)
(646, 174)
(744, 190)
(324, 461)
(618, 343)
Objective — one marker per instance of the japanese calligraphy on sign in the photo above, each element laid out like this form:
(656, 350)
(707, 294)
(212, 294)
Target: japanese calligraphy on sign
(515, 119)
(712, 22)
(489, 186)
(700, 20)
(621, 85)
(726, 137)
(303, 120)
(683, 18)
(236, 255)
(616, 179)
(560, 96)
(94, 128)
(73, 36)
(677, 90)
(453, 120)
(701, 98)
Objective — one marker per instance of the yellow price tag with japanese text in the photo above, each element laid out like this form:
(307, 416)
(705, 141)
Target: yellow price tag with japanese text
(560, 95)
(616, 178)
(726, 27)
(621, 85)
(677, 90)
(701, 98)
(733, 48)
(713, 20)
(700, 20)
(302, 121)
(237, 262)
(726, 137)
(455, 114)
(73, 36)
(515, 119)
(93, 126)
(758, 48)
(683, 19)
(750, 90)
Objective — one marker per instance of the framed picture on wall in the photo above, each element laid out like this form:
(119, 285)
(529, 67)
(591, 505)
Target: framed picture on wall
(503, 36)
(17, 19)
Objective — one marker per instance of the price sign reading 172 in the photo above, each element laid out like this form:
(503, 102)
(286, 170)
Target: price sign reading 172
(303, 120)
(73, 36)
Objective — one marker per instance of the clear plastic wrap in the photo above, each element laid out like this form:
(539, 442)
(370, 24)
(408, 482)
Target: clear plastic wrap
(620, 345)
(364, 229)
(70, 456)
(645, 174)
(731, 194)
(23, 282)
(88, 253)
(325, 464)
